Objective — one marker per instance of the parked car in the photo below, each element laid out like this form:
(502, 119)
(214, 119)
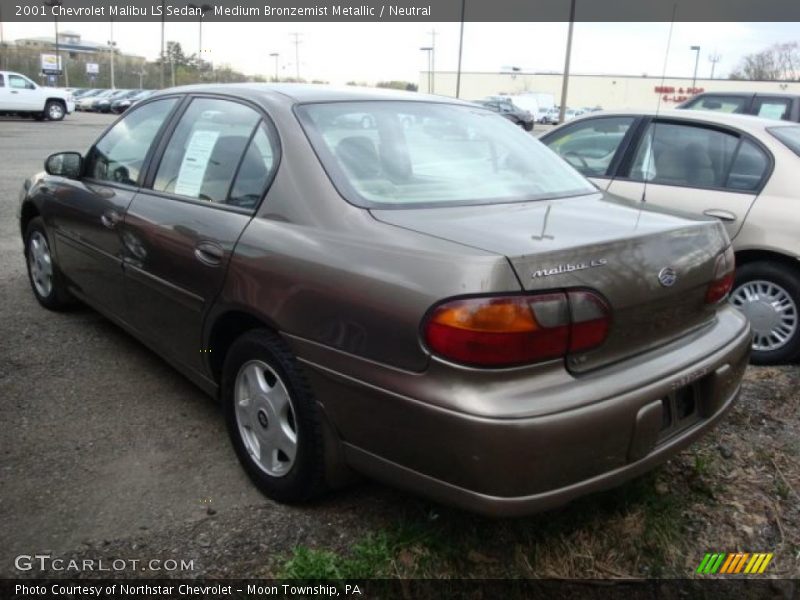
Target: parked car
(123, 104)
(104, 105)
(84, 100)
(551, 116)
(90, 103)
(738, 169)
(21, 96)
(769, 106)
(466, 317)
(506, 108)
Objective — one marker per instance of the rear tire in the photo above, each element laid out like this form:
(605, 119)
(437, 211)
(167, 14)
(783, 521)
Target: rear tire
(769, 294)
(46, 281)
(273, 420)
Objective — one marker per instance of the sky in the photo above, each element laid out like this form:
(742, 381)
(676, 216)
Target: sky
(371, 52)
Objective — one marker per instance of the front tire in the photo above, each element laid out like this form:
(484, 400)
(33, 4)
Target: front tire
(54, 110)
(273, 420)
(769, 294)
(45, 279)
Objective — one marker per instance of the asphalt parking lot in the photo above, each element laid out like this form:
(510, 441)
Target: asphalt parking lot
(108, 453)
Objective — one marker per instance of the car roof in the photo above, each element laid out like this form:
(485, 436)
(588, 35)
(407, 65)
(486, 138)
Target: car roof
(747, 94)
(309, 92)
(749, 123)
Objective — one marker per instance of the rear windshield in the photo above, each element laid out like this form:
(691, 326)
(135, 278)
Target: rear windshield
(396, 154)
(789, 135)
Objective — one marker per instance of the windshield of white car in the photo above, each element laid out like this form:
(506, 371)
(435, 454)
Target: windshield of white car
(399, 154)
(789, 135)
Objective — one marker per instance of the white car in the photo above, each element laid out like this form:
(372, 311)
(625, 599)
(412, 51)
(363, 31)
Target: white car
(20, 95)
(739, 169)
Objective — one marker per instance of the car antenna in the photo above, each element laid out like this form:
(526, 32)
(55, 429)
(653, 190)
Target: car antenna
(651, 151)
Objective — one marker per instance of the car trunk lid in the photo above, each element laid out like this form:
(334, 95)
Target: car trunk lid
(652, 266)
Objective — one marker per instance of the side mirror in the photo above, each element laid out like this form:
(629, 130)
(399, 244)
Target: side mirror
(64, 164)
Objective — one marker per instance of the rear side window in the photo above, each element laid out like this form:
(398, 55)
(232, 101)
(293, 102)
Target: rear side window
(728, 104)
(684, 155)
(591, 145)
(202, 157)
(772, 108)
(749, 167)
(256, 171)
(693, 156)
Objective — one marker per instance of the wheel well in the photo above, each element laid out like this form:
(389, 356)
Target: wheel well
(748, 256)
(59, 100)
(226, 329)
(28, 213)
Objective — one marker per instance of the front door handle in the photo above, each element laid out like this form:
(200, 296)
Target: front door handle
(110, 218)
(209, 253)
(722, 215)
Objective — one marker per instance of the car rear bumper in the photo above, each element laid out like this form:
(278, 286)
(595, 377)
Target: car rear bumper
(606, 430)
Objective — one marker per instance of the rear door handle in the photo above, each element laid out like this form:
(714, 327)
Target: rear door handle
(110, 218)
(722, 215)
(209, 253)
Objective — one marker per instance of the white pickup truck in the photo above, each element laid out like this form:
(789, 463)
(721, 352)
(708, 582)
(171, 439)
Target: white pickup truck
(20, 95)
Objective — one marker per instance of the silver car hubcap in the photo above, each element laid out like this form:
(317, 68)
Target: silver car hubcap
(266, 419)
(56, 111)
(771, 310)
(41, 264)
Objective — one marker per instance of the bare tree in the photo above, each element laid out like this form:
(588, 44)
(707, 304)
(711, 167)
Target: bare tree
(778, 62)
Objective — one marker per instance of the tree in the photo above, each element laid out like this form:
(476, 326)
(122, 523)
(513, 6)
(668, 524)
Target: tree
(397, 85)
(778, 62)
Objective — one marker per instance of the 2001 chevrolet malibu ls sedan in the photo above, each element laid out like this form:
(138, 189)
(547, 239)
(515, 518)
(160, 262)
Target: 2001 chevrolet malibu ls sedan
(430, 297)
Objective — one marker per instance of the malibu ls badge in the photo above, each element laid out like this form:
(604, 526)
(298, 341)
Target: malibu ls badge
(569, 268)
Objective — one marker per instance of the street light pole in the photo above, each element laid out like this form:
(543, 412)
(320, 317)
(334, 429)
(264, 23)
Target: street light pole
(275, 55)
(562, 111)
(460, 47)
(696, 61)
(51, 4)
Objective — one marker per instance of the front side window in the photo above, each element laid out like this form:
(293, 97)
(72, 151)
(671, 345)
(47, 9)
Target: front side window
(205, 150)
(424, 153)
(18, 82)
(591, 145)
(119, 156)
(2, 81)
(684, 155)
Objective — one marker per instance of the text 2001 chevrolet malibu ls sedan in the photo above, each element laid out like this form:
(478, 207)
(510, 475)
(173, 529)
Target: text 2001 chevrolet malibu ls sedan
(435, 300)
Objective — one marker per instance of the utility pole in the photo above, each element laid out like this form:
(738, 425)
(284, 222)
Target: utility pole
(562, 111)
(297, 43)
(163, 17)
(111, 53)
(275, 55)
(714, 59)
(433, 60)
(428, 49)
(460, 47)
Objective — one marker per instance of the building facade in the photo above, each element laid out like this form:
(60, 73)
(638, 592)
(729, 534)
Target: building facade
(606, 91)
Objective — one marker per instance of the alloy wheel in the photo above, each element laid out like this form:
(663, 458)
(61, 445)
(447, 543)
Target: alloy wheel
(265, 417)
(40, 263)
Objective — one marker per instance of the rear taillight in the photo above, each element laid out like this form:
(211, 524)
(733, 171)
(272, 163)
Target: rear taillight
(724, 273)
(515, 330)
